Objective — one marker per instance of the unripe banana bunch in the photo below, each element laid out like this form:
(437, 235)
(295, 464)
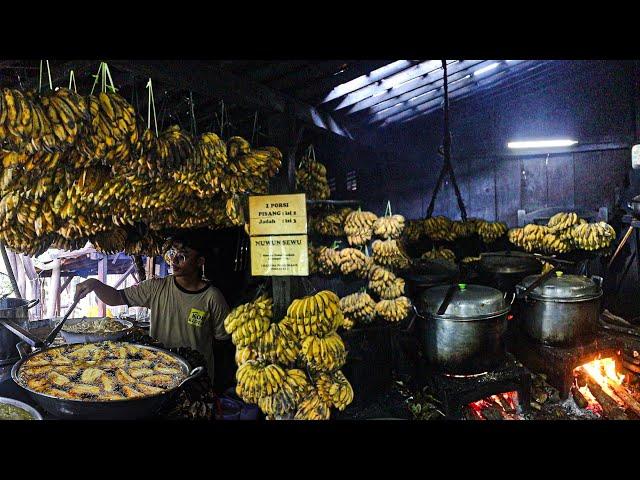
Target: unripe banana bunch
(354, 261)
(389, 253)
(317, 314)
(358, 227)
(358, 307)
(414, 230)
(328, 260)
(529, 237)
(334, 389)
(593, 236)
(234, 210)
(462, 229)
(332, 225)
(311, 177)
(384, 282)
(394, 310)
(257, 379)
(554, 244)
(277, 345)
(440, 252)
(313, 408)
(439, 229)
(562, 221)
(244, 354)
(389, 227)
(491, 231)
(248, 322)
(284, 402)
(324, 354)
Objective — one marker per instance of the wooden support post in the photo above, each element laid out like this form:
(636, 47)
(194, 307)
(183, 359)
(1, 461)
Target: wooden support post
(36, 312)
(150, 267)
(103, 267)
(53, 295)
(10, 269)
(285, 136)
(20, 276)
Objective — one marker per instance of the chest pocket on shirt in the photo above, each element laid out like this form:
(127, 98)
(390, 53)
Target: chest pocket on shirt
(196, 317)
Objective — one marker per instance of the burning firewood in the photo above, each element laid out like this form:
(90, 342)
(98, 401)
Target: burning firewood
(610, 408)
(578, 397)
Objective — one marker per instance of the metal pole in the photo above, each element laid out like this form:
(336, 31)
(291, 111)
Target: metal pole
(7, 265)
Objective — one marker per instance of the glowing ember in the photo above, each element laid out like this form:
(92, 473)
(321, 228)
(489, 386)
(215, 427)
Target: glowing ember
(499, 402)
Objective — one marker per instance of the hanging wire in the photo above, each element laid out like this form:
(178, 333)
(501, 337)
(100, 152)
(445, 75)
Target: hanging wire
(255, 123)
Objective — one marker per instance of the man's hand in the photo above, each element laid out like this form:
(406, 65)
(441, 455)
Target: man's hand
(84, 288)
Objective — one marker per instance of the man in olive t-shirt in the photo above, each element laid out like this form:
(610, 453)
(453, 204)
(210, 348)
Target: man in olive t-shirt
(186, 310)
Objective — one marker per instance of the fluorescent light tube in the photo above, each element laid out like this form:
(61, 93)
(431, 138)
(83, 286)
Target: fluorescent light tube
(542, 143)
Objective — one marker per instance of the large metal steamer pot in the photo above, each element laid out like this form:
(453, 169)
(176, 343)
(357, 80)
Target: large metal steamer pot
(468, 337)
(563, 310)
(505, 270)
(129, 409)
(16, 310)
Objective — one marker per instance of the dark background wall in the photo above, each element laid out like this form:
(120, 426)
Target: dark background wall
(589, 101)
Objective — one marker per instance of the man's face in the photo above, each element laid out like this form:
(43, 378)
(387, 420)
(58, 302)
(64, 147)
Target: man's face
(184, 261)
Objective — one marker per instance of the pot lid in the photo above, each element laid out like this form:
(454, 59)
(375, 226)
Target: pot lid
(509, 262)
(561, 286)
(469, 302)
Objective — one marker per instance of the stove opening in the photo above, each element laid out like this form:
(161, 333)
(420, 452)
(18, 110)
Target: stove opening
(501, 406)
(600, 387)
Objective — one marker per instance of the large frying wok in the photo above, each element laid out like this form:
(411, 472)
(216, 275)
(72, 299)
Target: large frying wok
(128, 409)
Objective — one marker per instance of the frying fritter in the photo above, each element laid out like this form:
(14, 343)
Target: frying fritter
(68, 371)
(58, 393)
(140, 372)
(131, 392)
(124, 377)
(148, 389)
(80, 389)
(158, 380)
(166, 370)
(141, 364)
(90, 375)
(59, 380)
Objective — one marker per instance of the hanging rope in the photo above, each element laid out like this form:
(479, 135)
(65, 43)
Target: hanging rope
(151, 107)
(445, 151)
(40, 76)
(255, 123)
(72, 81)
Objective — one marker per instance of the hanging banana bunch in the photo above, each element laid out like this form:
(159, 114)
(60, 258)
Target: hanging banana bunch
(389, 253)
(358, 227)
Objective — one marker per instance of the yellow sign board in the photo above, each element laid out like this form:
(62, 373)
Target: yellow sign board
(280, 255)
(278, 214)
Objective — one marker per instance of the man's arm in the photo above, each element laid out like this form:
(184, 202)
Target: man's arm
(107, 294)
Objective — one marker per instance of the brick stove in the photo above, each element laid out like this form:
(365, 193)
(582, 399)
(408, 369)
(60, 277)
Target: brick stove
(457, 391)
(558, 363)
